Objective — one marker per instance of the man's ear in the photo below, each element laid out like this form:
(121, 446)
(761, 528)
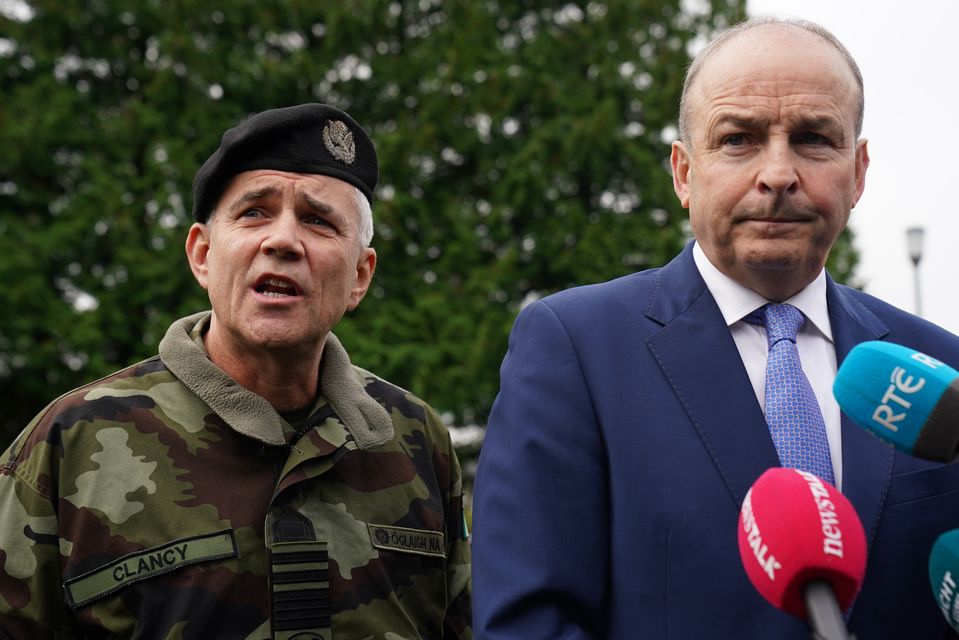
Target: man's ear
(365, 266)
(679, 161)
(197, 251)
(862, 163)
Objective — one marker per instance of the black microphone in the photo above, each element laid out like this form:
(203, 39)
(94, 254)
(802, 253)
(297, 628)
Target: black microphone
(907, 398)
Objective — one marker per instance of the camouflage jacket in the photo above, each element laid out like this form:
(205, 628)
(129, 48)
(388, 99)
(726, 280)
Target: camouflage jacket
(167, 501)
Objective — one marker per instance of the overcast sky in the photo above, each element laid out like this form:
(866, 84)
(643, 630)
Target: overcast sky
(909, 58)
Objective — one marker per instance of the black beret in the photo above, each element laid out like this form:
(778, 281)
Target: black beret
(307, 138)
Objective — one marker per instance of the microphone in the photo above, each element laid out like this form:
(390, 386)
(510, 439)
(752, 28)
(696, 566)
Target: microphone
(907, 398)
(803, 548)
(944, 575)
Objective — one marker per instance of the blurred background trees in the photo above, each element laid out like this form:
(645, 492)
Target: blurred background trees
(523, 149)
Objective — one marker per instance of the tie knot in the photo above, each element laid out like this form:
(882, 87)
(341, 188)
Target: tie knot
(782, 322)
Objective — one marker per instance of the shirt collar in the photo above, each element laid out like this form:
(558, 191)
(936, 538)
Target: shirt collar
(736, 301)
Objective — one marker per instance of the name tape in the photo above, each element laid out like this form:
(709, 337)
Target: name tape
(148, 563)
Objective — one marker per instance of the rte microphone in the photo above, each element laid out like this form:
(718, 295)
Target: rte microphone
(803, 548)
(907, 398)
(944, 574)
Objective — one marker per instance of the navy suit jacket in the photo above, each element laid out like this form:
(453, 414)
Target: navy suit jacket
(622, 442)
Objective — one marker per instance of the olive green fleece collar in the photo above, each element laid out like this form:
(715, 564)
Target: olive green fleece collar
(251, 414)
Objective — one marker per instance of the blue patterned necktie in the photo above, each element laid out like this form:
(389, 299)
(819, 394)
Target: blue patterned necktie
(792, 411)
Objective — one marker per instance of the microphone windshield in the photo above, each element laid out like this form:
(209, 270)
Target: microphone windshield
(795, 528)
(905, 397)
(944, 575)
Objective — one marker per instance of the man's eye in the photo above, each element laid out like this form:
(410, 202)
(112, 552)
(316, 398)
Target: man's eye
(735, 140)
(808, 137)
(251, 213)
(319, 221)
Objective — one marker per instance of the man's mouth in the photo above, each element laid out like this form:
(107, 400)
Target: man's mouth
(778, 214)
(276, 288)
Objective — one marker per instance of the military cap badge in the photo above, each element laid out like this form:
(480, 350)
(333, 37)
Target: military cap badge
(338, 140)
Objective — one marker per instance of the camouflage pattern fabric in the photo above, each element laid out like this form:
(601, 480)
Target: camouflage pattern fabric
(166, 501)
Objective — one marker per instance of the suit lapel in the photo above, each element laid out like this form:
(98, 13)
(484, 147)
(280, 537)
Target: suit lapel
(866, 461)
(699, 359)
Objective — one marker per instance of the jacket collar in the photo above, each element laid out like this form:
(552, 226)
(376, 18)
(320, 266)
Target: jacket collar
(679, 286)
(250, 414)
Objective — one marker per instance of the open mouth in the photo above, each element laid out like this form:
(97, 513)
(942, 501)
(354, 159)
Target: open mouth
(276, 288)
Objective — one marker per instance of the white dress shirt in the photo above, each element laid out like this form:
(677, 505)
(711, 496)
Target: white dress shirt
(817, 350)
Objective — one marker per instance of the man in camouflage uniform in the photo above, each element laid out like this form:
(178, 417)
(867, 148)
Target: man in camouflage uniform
(249, 481)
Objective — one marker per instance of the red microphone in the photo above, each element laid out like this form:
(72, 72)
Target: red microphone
(803, 548)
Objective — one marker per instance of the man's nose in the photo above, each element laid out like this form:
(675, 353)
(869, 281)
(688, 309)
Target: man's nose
(778, 175)
(283, 236)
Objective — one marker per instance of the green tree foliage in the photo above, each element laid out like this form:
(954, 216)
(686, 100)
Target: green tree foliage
(523, 149)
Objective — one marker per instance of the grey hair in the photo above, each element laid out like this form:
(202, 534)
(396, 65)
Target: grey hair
(364, 210)
(737, 30)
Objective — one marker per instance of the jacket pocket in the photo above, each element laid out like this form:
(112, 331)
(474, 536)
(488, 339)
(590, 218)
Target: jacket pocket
(923, 484)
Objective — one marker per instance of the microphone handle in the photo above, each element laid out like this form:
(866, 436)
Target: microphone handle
(825, 618)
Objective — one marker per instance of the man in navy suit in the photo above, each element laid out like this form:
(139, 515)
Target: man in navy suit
(630, 420)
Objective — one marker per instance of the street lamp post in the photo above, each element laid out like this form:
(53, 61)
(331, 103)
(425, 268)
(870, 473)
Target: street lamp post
(914, 239)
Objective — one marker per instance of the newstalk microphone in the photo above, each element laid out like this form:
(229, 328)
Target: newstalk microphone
(907, 398)
(803, 548)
